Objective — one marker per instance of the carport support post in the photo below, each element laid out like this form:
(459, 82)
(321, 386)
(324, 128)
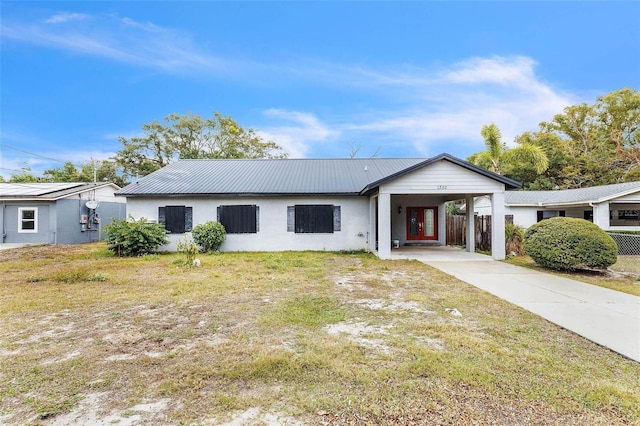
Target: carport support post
(471, 225)
(373, 231)
(384, 226)
(497, 226)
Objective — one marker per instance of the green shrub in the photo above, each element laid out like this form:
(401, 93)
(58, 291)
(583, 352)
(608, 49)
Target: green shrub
(568, 244)
(134, 237)
(513, 239)
(189, 248)
(209, 236)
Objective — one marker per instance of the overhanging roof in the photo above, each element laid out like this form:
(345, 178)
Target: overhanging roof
(509, 183)
(28, 191)
(272, 177)
(594, 194)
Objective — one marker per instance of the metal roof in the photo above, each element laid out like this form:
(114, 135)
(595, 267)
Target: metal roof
(594, 194)
(45, 191)
(350, 176)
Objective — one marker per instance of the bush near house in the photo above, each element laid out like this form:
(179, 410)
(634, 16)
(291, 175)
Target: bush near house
(568, 244)
(513, 239)
(134, 237)
(209, 236)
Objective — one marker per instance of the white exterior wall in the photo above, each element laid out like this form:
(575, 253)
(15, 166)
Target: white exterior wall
(442, 178)
(601, 215)
(523, 216)
(272, 234)
(105, 193)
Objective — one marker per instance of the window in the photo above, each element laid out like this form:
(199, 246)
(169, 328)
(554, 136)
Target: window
(241, 219)
(546, 214)
(627, 214)
(176, 219)
(28, 219)
(313, 219)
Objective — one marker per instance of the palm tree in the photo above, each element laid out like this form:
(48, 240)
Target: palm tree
(498, 158)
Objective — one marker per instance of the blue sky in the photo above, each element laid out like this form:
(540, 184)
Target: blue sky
(403, 79)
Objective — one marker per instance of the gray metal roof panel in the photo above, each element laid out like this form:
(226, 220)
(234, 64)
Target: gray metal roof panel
(33, 189)
(266, 176)
(46, 190)
(571, 196)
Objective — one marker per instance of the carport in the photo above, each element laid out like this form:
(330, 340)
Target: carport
(408, 208)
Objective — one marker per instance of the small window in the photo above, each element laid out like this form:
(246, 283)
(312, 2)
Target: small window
(28, 219)
(313, 219)
(176, 219)
(241, 219)
(547, 214)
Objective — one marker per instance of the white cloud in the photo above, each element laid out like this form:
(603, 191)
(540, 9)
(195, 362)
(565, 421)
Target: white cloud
(120, 39)
(64, 17)
(297, 132)
(427, 108)
(432, 109)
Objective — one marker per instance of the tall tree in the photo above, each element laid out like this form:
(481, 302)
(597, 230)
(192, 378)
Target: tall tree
(502, 160)
(591, 145)
(24, 176)
(191, 136)
(67, 173)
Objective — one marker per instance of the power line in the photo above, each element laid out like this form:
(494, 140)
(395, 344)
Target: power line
(11, 170)
(32, 153)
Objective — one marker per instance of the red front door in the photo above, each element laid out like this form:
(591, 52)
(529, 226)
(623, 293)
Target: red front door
(422, 223)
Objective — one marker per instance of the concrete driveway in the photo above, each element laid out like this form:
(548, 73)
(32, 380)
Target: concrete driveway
(7, 246)
(607, 317)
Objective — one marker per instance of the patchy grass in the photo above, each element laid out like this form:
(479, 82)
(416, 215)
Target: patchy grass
(285, 338)
(624, 276)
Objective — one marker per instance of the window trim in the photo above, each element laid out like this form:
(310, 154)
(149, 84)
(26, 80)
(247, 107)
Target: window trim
(34, 220)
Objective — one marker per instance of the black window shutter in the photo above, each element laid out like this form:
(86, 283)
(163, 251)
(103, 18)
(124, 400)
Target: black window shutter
(239, 219)
(175, 219)
(540, 215)
(316, 219)
(337, 220)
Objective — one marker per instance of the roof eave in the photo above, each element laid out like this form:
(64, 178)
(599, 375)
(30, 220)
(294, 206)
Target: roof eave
(512, 184)
(240, 194)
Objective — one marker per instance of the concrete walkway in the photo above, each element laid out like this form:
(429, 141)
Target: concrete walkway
(9, 246)
(607, 317)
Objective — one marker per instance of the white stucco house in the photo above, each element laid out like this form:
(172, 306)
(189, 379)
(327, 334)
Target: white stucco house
(612, 207)
(317, 204)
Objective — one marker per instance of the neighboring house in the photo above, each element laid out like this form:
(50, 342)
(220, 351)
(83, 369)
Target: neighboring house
(57, 213)
(315, 204)
(611, 207)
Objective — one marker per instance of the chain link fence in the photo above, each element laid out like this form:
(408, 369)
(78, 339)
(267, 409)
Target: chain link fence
(628, 244)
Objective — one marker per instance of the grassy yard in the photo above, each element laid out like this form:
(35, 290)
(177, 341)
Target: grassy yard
(623, 276)
(285, 338)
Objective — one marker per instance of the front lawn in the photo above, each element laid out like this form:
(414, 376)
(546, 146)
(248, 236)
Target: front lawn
(624, 276)
(285, 338)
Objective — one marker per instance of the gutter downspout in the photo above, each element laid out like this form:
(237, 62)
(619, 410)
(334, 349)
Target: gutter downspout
(4, 218)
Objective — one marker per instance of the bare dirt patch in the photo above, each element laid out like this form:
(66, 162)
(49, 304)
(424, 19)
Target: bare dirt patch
(241, 340)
